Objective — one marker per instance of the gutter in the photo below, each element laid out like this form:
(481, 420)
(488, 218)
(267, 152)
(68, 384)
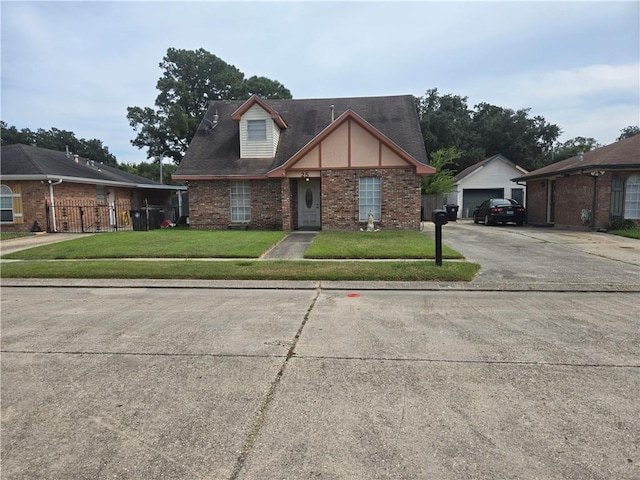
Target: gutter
(91, 181)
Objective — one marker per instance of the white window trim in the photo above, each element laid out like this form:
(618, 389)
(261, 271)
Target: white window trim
(632, 197)
(240, 198)
(10, 195)
(370, 198)
(257, 130)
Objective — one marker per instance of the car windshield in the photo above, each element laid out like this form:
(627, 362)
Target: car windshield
(500, 201)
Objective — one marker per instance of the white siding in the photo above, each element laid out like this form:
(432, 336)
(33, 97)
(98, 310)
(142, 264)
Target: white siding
(261, 149)
(496, 174)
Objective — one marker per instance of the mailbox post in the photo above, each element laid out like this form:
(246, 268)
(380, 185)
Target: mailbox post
(439, 217)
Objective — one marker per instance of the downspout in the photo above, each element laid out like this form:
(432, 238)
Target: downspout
(53, 208)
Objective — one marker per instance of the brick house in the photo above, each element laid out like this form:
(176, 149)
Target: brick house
(67, 193)
(306, 164)
(589, 190)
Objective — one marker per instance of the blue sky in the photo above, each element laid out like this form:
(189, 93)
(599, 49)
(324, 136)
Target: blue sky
(77, 66)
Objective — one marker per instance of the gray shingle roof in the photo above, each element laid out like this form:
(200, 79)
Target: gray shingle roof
(28, 162)
(621, 155)
(217, 153)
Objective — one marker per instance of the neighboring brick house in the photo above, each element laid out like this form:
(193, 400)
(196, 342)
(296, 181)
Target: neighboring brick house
(590, 190)
(306, 164)
(67, 193)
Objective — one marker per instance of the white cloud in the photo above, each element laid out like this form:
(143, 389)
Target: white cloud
(78, 65)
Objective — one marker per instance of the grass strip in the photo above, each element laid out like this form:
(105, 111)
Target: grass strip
(244, 270)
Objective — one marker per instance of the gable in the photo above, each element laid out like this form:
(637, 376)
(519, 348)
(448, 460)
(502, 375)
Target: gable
(350, 142)
(494, 170)
(265, 147)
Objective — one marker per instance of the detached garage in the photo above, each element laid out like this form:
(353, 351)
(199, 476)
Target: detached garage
(490, 178)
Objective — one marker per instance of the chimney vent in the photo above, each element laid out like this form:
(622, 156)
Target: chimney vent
(580, 156)
(333, 112)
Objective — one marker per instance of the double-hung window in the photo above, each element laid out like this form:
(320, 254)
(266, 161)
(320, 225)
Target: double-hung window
(256, 130)
(632, 197)
(370, 198)
(240, 202)
(6, 204)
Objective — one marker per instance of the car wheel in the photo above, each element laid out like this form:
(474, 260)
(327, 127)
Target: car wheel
(486, 220)
(519, 224)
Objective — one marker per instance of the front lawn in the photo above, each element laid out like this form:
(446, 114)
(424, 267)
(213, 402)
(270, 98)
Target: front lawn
(371, 245)
(162, 243)
(404, 255)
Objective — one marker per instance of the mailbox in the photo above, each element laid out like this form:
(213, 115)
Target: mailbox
(439, 217)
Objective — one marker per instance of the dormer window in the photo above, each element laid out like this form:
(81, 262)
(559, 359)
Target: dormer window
(256, 130)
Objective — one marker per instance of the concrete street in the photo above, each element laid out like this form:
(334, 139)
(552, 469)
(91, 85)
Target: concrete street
(531, 371)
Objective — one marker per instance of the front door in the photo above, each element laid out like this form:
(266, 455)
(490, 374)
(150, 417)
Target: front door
(309, 204)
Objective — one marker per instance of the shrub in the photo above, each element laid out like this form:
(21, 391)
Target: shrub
(623, 224)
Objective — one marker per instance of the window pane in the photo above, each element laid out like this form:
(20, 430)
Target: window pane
(240, 202)
(6, 216)
(632, 197)
(257, 130)
(6, 204)
(370, 198)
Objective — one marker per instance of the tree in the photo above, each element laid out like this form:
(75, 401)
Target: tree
(572, 147)
(60, 140)
(190, 80)
(628, 132)
(151, 171)
(485, 130)
(444, 179)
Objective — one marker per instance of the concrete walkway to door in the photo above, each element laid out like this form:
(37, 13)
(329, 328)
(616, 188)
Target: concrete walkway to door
(292, 247)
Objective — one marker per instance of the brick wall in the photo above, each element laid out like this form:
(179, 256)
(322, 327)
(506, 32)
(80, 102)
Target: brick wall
(36, 194)
(574, 194)
(537, 201)
(400, 195)
(210, 204)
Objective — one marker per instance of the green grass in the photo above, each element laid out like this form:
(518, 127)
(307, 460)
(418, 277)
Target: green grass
(10, 235)
(85, 257)
(372, 245)
(633, 233)
(164, 243)
(424, 270)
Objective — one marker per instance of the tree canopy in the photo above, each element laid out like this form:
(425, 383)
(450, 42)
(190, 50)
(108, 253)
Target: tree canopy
(447, 121)
(190, 80)
(56, 139)
(629, 131)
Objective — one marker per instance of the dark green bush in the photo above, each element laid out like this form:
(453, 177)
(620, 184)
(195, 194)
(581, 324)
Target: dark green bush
(623, 224)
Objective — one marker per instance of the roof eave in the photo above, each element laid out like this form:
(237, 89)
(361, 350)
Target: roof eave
(578, 169)
(88, 181)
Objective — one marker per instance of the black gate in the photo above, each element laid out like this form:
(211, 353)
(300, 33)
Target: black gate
(80, 217)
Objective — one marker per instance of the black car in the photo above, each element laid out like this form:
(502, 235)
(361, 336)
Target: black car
(500, 210)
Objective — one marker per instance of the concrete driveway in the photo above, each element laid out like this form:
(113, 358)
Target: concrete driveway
(527, 256)
(331, 381)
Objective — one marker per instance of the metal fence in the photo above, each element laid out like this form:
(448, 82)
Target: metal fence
(80, 217)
